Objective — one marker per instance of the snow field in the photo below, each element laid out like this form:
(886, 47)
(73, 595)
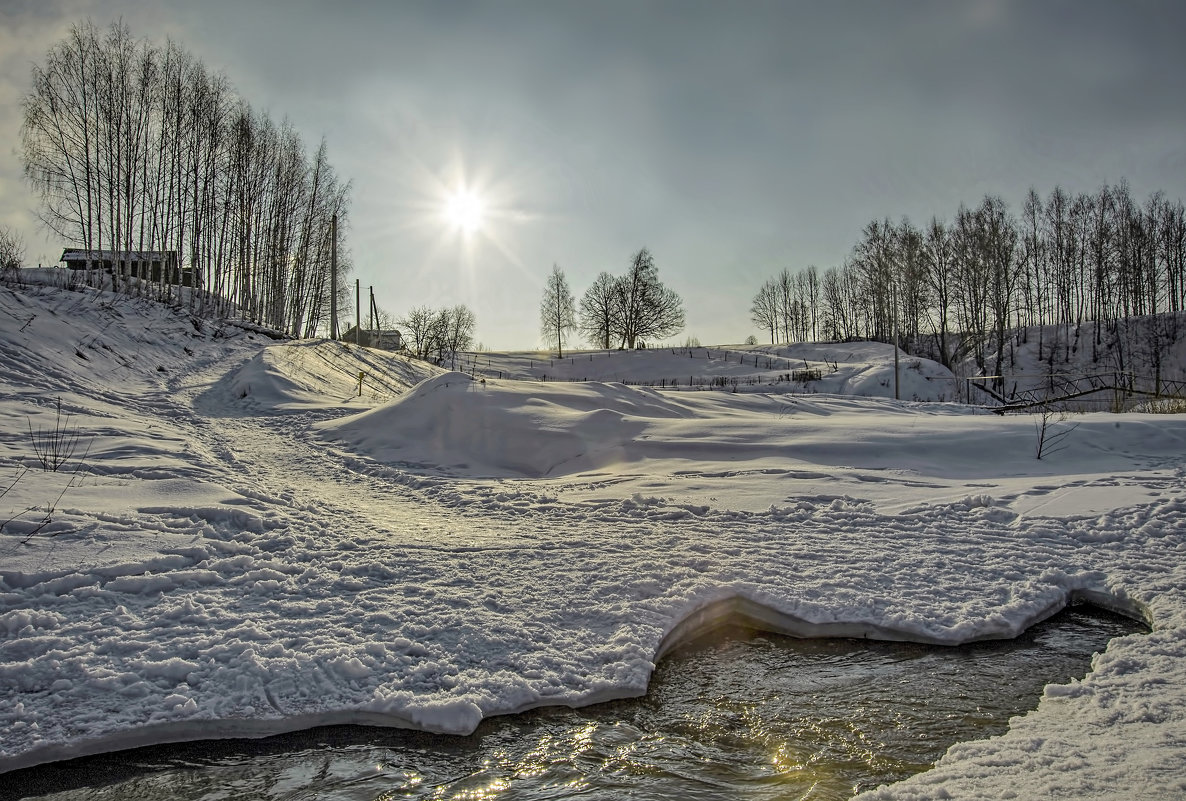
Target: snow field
(439, 550)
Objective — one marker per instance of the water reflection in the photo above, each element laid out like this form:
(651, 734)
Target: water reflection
(763, 717)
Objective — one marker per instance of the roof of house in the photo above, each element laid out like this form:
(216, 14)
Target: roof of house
(381, 332)
(81, 254)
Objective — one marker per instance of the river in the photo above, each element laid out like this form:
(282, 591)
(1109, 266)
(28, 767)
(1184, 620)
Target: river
(738, 715)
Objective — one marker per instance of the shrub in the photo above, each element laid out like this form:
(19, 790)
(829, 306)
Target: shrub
(55, 446)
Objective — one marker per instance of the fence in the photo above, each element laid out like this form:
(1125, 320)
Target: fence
(1070, 392)
(790, 370)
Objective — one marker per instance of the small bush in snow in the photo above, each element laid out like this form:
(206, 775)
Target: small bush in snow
(55, 446)
(1051, 438)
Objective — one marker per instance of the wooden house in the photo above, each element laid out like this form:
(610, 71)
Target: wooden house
(160, 266)
(383, 340)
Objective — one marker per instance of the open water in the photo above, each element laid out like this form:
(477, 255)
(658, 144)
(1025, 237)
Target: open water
(739, 716)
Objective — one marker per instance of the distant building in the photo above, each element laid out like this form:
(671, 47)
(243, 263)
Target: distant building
(161, 266)
(383, 340)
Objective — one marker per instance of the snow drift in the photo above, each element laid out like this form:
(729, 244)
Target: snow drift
(509, 428)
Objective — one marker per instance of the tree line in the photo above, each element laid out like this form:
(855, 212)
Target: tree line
(132, 146)
(954, 290)
(625, 310)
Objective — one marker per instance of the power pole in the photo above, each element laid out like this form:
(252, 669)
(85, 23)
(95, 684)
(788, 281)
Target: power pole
(333, 277)
(374, 312)
(357, 312)
(894, 287)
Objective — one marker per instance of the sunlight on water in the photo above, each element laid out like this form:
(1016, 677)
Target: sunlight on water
(762, 718)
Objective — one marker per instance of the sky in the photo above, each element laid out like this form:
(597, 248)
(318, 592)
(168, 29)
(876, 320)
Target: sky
(731, 139)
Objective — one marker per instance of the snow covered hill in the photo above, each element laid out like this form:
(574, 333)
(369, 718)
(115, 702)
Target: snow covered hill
(864, 369)
(240, 543)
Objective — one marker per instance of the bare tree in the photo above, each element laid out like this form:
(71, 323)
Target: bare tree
(811, 283)
(908, 289)
(438, 334)
(599, 311)
(1033, 255)
(764, 311)
(873, 258)
(647, 309)
(12, 252)
(1171, 234)
(784, 304)
(458, 325)
(998, 239)
(840, 291)
(418, 327)
(58, 145)
(937, 259)
(134, 147)
(1070, 259)
(557, 310)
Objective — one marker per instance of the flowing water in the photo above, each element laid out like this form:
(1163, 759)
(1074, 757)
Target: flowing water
(738, 716)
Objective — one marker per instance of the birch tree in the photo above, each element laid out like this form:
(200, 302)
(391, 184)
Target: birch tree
(557, 310)
(132, 147)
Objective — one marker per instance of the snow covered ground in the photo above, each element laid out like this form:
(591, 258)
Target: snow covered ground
(244, 541)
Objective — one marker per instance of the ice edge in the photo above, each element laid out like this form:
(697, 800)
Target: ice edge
(741, 611)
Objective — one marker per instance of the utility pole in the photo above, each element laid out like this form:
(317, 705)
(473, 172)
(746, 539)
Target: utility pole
(374, 312)
(894, 287)
(333, 277)
(357, 312)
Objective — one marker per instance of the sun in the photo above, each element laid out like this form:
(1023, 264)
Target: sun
(464, 211)
(472, 217)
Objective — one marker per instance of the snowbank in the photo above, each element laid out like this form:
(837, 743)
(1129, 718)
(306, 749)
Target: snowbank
(307, 374)
(508, 428)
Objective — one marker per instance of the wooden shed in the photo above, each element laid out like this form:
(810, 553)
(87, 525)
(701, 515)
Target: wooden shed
(381, 339)
(161, 266)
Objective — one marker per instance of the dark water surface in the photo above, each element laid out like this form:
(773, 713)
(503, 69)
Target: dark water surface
(744, 716)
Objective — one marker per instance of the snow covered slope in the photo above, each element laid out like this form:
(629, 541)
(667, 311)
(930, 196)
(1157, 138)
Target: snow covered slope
(865, 369)
(313, 374)
(242, 545)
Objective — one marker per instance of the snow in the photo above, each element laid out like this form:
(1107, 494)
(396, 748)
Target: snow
(243, 544)
(864, 369)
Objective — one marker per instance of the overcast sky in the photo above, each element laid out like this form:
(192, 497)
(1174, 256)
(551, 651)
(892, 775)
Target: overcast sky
(732, 139)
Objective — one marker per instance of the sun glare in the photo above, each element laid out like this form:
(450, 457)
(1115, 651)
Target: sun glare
(467, 217)
(464, 211)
